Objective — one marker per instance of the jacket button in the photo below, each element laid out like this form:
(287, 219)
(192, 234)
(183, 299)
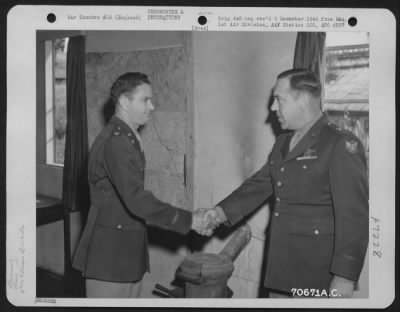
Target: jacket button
(271, 162)
(276, 214)
(119, 226)
(278, 199)
(304, 166)
(282, 169)
(279, 183)
(316, 232)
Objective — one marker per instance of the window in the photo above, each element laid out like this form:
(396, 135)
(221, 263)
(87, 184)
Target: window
(56, 108)
(346, 86)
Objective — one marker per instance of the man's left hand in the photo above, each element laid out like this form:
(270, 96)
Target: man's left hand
(341, 287)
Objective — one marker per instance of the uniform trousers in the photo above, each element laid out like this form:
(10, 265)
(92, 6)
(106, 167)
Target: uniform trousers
(104, 289)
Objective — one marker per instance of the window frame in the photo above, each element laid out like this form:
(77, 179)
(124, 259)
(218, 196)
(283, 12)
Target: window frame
(49, 177)
(356, 108)
(329, 103)
(49, 86)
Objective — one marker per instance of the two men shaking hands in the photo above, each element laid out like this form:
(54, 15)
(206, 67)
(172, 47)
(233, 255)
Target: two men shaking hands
(205, 221)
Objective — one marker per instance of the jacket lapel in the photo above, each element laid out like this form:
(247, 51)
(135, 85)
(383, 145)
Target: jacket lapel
(309, 139)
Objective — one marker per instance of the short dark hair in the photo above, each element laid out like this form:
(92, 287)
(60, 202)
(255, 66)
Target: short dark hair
(127, 83)
(302, 79)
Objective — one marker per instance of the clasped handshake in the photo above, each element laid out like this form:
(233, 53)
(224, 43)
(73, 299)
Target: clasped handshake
(205, 221)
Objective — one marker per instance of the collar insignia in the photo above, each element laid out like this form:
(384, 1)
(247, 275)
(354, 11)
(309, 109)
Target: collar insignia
(352, 146)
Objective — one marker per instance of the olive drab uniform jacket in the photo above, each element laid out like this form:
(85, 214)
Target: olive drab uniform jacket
(113, 246)
(319, 222)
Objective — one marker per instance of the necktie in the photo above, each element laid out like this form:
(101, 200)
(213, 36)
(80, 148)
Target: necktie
(293, 142)
(139, 140)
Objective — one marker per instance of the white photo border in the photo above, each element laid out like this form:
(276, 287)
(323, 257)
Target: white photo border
(24, 20)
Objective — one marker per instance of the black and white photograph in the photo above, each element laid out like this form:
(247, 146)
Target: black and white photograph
(228, 157)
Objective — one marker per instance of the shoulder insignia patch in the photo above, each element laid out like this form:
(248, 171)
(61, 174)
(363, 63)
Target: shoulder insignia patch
(352, 146)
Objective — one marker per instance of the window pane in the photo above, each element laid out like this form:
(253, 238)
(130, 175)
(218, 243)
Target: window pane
(346, 87)
(346, 74)
(60, 111)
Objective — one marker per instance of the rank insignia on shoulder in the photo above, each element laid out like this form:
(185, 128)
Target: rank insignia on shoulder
(352, 146)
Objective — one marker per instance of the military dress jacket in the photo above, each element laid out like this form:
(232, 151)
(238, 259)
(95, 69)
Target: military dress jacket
(113, 246)
(319, 222)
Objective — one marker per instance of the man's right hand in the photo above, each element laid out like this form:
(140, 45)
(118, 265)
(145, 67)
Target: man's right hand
(206, 220)
(214, 217)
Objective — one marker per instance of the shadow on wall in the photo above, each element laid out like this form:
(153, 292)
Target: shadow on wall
(262, 291)
(168, 240)
(108, 110)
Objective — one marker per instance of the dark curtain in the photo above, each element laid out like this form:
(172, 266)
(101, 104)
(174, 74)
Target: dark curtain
(309, 53)
(75, 183)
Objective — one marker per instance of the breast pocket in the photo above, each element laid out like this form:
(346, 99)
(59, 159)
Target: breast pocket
(306, 180)
(305, 165)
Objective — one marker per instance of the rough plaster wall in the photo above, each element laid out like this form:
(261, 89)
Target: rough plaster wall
(163, 137)
(165, 68)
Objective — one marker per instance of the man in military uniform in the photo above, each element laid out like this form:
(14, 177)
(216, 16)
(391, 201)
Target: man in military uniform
(318, 233)
(113, 251)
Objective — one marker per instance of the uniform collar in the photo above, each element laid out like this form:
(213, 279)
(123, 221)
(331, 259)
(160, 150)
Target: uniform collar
(121, 126)
(308, 126)
(318, 125)
(310, 138)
